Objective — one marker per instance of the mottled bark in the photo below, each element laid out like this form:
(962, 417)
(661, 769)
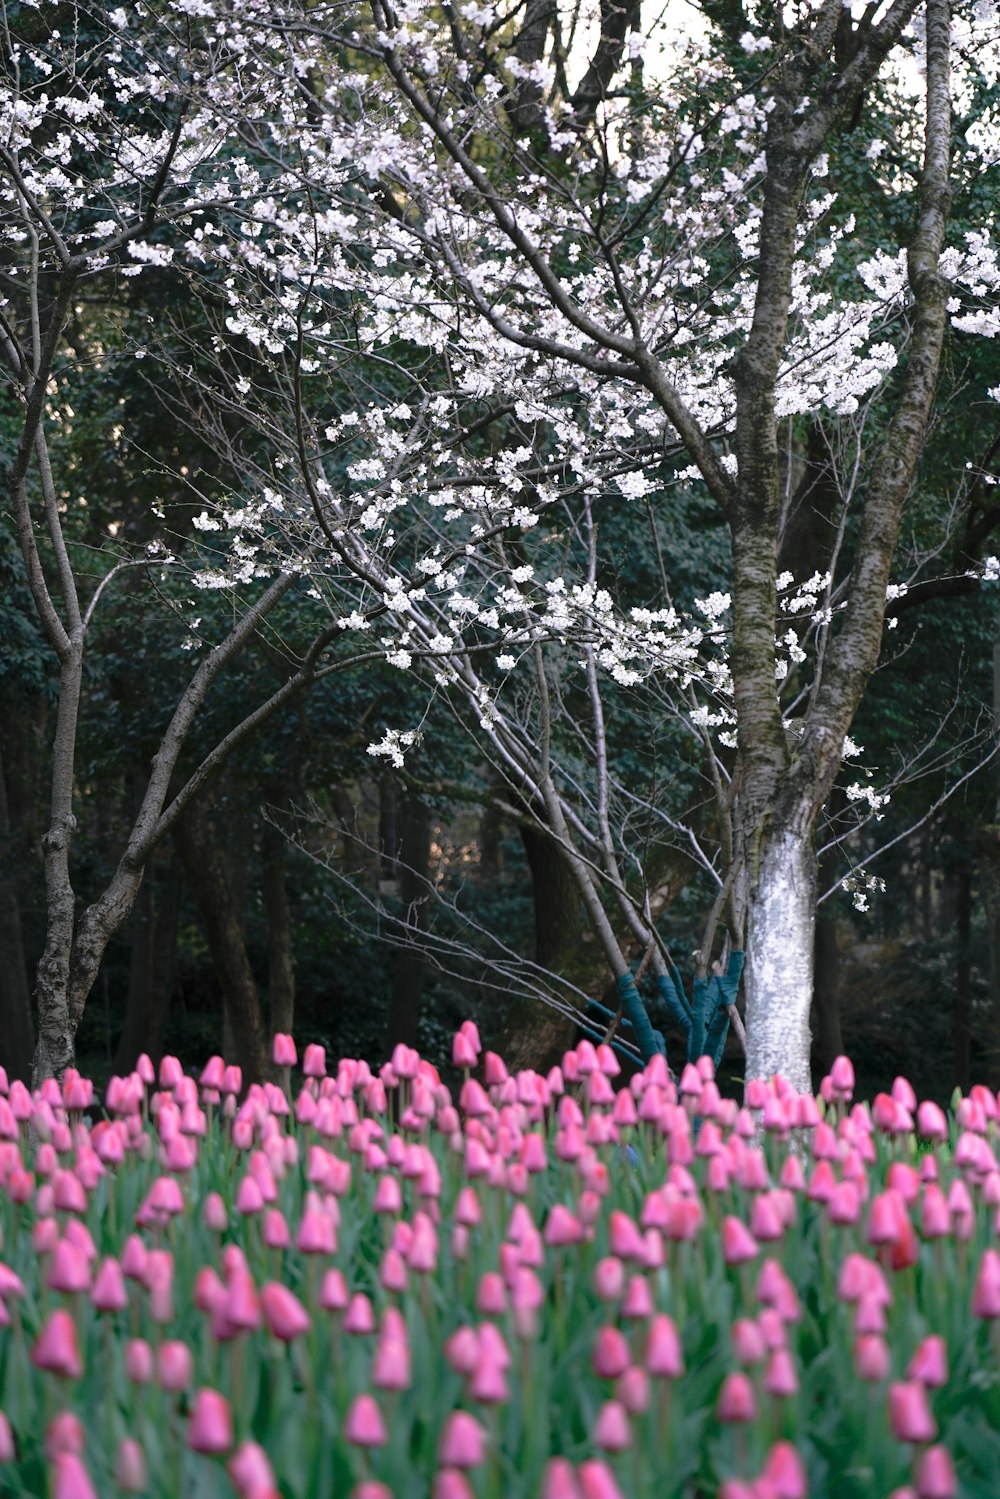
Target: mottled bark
(778, 981)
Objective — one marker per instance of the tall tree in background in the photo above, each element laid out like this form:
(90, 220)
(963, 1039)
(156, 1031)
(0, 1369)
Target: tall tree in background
(558, 301)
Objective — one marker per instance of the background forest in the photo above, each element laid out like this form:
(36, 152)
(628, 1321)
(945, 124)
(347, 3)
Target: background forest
(359, 902)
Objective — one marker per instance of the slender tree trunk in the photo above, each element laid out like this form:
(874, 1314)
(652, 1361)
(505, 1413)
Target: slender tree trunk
(168, 913)
(961, 1032)
(17, 1031)
(412, 863)
(536, 1035)
(133, 1039)
(210, 878)
(280, 960)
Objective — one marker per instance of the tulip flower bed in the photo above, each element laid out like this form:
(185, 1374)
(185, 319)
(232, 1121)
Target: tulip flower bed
(546, 1288)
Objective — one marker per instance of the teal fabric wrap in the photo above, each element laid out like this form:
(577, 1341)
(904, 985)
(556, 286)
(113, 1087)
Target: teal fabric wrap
(672, 994)
(648, 1041)
(710, 1021)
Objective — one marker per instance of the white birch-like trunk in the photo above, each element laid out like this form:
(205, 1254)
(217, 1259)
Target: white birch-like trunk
(779, 970)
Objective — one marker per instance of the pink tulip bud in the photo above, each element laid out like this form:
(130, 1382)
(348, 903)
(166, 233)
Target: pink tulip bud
(736, 1401)
(871, 1357)
(56, 1349)
(610, 1356)
(8, 1447)
(174, 1366)
(842, 1078)
(780, 1377)
(131, 1471)
(138, 1361)
(738, 1244)
(597, 1481)
(283, 1052)
(64, 1433)
(929, 1363)
(611, 1429)
(559, 1480)
(364, 1426)
(449, 1483)
(785, 1473)
(609, 1278)
(986, 1292)
(251, 1472)
(70, 1479)
(210, 1425)
(562, 1227)
(663, 1356)
(333, 1296)
(935, 1475)
(748, 1342)
(286, 1317)
(910, 1414)
(463, 1442)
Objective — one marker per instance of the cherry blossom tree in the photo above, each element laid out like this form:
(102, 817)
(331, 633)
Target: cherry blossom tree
(472, 296)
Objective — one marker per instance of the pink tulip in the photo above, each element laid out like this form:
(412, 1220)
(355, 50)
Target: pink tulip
(663, 1356)
(283, 1052)
(364, 1426)
(70, 1479)
(785, 1472)
(286, 1317)
(562, 1227)
(8, 1447)
(559, 1480)
(871, 1357)
(174, 1366)
(210, 1425)
(64, 1433)
(463, 1442)
(597, 1481)
(736, 1401)
(131, 1471)
(138, 1361)
(109, 1293)
(935, 1475)
(610, 1355)
(780, 1377)
(462, 1350)
(68, 1271)
(611, 1429)
(909, 1413)
(738, 1244)
(929, 1363)
(986, 1291)
(56, 1349)
(251, 1472)
(449, 1483)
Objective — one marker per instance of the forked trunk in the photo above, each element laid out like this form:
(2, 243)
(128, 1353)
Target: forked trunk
(779, 969)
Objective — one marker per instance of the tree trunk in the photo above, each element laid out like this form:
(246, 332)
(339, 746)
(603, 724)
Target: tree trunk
(537, 1035)
(210, 878)
(412, 863)
(280, 961)
(140, 977)
(961, 1032)
(829, 1038)
(779, 962)
(17, 1032)
(153, 966)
